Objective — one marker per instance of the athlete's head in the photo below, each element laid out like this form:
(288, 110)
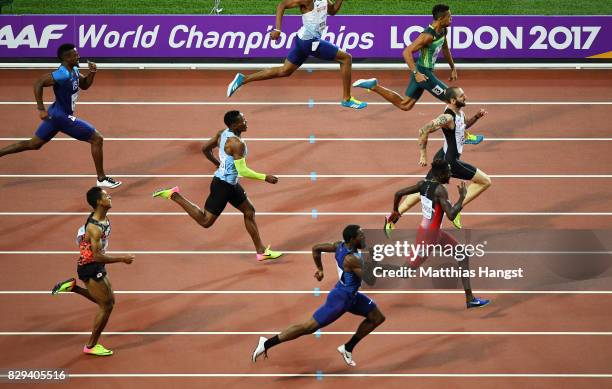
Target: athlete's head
(235, 121)
(69, 54)
(455, 96)
(98, 197)
(441, 13)
(441, 171)
(354, 236)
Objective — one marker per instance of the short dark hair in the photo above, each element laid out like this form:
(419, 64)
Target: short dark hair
(452, 92)
(93, 195)
(439, 10)
(350, 232)
(439, 166)
(63, 49)
(231, 117)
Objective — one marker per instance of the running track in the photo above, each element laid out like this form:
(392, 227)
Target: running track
(194, 312)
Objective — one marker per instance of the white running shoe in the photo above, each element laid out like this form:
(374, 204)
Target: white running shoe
(348, 357)
(108, 182)
(260, 349)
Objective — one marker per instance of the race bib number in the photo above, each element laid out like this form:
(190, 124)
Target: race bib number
(427, 206)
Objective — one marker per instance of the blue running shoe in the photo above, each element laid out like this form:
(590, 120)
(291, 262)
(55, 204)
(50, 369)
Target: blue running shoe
(353, 103)
(235, 84)
(471, 139)
(369, 83)
(477, 303)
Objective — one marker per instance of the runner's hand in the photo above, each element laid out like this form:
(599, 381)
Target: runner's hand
(128, 259)
(420, 77)
(319, 275)
(271, 179)
(274, 34)
(43, 114)
(462, 189)
(481, 113)
(453, 76)
(92, 66)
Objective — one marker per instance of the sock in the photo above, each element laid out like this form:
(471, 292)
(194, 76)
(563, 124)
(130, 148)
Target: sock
(350, 345)
(271, 342)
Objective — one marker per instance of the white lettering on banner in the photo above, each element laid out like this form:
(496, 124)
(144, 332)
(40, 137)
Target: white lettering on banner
(504, 37)
(94, 35)
(27, 36)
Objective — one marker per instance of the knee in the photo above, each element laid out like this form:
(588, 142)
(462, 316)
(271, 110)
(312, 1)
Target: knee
(406, 105)
(206, 223)
(310, 327)
(97, 138)
(285, 72)
(380, 318)
(485, 181)
(109, 304)
(346, 58)
(249, 213)
(34, 144)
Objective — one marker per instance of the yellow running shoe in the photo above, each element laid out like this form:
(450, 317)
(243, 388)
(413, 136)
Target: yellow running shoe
(457, 222)
(268, 255)
(98, 350)
(471, 139)
(65, 286)
(166, 193)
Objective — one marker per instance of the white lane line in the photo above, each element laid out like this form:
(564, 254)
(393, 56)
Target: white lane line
(321, 375)
(224, 333)
(313, 292)
(312, 214)
(240, 252)
(317, 139)
(305, 102)
(316, 176)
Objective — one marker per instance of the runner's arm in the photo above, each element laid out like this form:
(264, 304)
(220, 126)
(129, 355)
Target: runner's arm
(353, 264)
(236, 149)
(44, 81)
(471, 121)
(317, 250)
(95, 235)
(451, 211)
(397, 198)
(449, 59)
(421, 41)
(433, 126)
(282, 6)
(209, 146)
(335, 6)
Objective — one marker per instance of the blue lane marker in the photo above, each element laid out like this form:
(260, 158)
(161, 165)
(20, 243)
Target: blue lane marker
(313, 176)
(318, 333)
(312, 139)
(310, 103)
(317, 292)
(314, 213)
(319, 375)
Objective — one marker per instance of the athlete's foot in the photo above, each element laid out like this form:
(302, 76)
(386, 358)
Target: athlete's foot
(98, 350)
(64, 286)
(260, 349)
(107, 182)
(268, 255)
(388, 227)
(368, 83)
(347, 356)
(166, 193)
(477, 303)
(471, 139)
(457, 222)
(353, 103)
(235, 84)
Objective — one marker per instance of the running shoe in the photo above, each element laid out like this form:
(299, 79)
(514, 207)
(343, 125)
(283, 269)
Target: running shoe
(471, 139)
(108, 182)
(369, 83)
(477, 303)
(353, 103)
(64, 286)
(457, 221)
(98, 350)
(268, 255)
(388, 227)
(235, 84)
(347, 356)
(166, 193)
(260, 349)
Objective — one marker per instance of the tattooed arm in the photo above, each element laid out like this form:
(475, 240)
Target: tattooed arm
(471, 121)
(441, 121)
